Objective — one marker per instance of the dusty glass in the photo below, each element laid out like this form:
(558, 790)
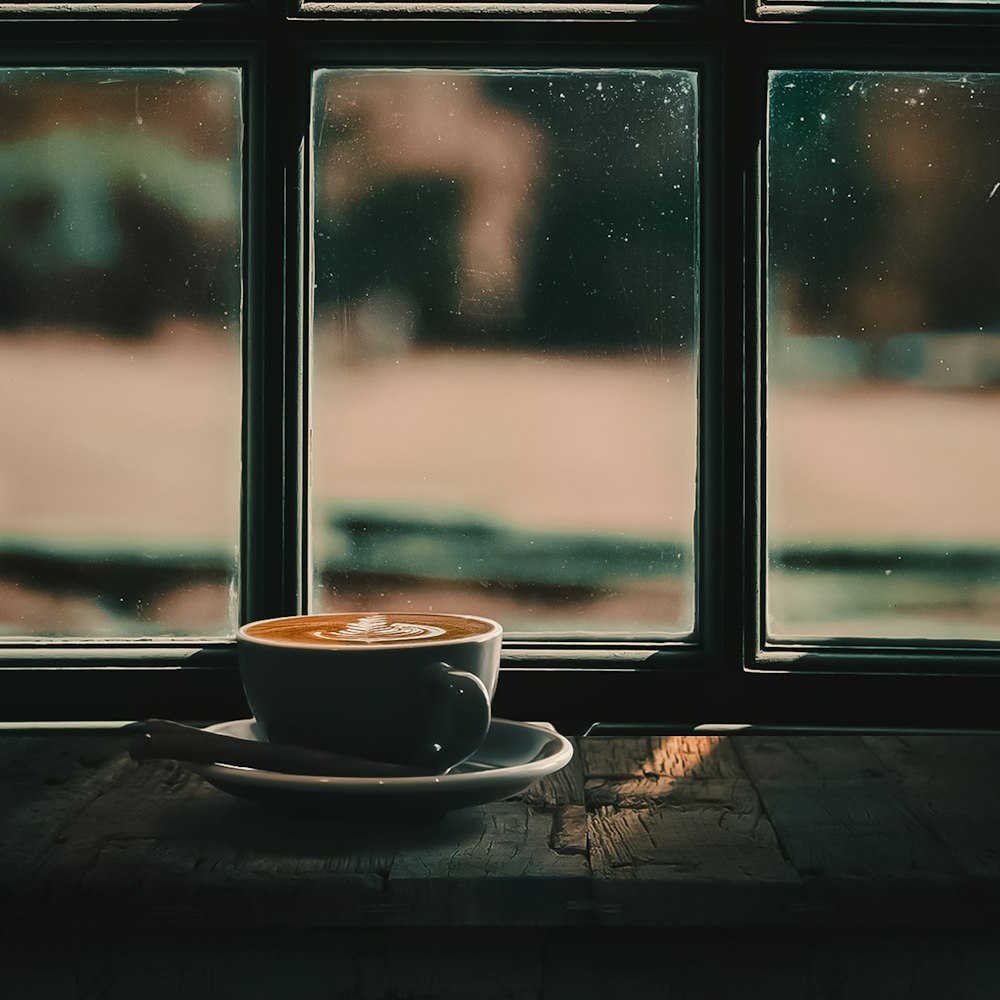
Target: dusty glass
(883, 355)
(504, 346)
(119, 351)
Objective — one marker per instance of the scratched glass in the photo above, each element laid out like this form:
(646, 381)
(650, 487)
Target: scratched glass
(505, 346)
(883, 355)
(119, 351)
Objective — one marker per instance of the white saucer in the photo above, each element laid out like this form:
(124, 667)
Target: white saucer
(513, 756)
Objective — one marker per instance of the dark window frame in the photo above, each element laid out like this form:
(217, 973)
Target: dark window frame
(726, 674)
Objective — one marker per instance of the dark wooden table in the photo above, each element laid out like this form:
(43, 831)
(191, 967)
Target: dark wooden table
(814, 866)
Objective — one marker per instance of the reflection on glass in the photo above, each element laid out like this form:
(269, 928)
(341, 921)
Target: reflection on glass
(119, 351)
(883, 355)
(504, 346)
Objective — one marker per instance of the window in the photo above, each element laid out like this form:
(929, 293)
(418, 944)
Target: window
(121, 350)
(481, 345)
(880, 346)
(662, 333)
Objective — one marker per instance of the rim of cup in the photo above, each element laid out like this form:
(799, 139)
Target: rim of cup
(495, 630)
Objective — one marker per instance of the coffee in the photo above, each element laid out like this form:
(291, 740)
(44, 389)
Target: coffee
(360, 630)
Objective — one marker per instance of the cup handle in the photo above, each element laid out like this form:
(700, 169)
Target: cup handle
(463, 717)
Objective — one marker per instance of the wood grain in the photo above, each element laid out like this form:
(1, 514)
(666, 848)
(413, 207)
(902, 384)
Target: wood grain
(44, 782)
(847, 826)
(644, 832)
(660, 756)
(161, 845)
(952, 784)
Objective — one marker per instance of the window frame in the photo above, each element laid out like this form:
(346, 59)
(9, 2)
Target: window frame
(726, 675)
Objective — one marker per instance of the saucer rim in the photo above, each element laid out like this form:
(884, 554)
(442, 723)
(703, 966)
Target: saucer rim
(562, 754)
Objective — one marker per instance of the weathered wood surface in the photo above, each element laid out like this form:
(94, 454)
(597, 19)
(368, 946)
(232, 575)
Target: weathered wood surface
(846, 824)
(674, 831)
(677, 834)
(154, 843)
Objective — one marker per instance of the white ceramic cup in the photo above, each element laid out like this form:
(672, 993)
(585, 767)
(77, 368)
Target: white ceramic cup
(401, 688)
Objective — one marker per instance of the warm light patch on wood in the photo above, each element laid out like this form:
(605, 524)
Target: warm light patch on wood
(681, 756)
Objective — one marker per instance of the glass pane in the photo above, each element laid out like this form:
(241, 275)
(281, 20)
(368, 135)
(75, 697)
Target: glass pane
(119, 351)
(883, 355)
(504, 346)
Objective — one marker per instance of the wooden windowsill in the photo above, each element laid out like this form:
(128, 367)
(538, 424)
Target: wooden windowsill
(638, 832)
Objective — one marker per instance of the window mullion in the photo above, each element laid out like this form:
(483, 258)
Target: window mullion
(274, 442)
(727, 589)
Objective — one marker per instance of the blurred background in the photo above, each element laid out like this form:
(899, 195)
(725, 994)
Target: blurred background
(505, 338)
(120, 296)
(505, 350)
(883, 356)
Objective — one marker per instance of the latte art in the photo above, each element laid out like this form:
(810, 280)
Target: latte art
(377, 628)
(364, 630)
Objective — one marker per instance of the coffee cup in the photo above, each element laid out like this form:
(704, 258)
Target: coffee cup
(400, 688)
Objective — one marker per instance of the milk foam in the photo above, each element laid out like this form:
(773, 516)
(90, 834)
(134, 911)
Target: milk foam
(376, 628)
